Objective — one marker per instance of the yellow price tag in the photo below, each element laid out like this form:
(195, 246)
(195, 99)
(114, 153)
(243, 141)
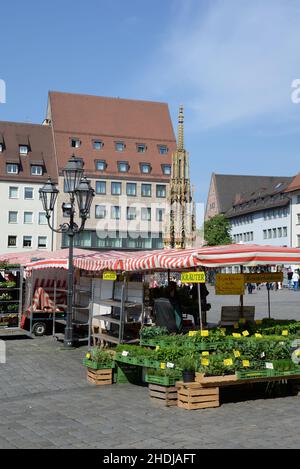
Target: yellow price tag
(204, 333)
(258, 335)
(242, 321)
(228, 362)
(236, 335)
(163, 366)
(204, 362)
(245, 333)
(237, 354)
(157, 347)
(246, 363)
(205, 354)
(236, 325)
(192, 333)
(285, 332)
(258, 321)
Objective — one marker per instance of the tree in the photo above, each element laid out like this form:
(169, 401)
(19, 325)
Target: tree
(217, 231)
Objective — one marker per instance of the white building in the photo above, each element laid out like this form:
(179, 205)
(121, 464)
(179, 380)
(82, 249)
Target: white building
(27, 160)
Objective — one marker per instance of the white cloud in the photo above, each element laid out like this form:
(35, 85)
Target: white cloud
(230, 61)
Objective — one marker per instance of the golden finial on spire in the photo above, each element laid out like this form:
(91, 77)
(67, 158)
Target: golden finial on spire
(180, 145)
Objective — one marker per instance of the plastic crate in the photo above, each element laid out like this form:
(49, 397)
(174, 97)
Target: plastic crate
(96, 366)
(127, 374)
(162, 380)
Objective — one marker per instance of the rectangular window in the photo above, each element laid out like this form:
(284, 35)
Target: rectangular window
(75, 142)
(36, 170)
(131, 213)
(116, 188)
(160, 190)
(146, 190)
(146, 214)
(274, 233)
(28, 217)
(279, 232)
(12, 217)
(13, 192)
(141, 148)
(298, 218)
(131, 189)
(42, 218)
(160, 214)
(251, 236)
(298, 199)
(123, 166)
(115, 212)
(269, 234)
(97, 144)
(119, 146)
(12, 241)
(100, 211)
(101, 187)
(12, 168)
(265, 234)
(23, 149)
(163, 149)
(145, 168)
(28, 193)
(284, 231)
(166, 169)
(298, 241)
(27, 241)
(42, 242)
(100, 165)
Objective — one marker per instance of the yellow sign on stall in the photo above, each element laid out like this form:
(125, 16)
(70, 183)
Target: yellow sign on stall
(264, 277)
(193, 277)
(109, 275)
(230, 284)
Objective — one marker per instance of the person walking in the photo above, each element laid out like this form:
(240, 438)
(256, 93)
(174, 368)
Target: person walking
(290, 278)
(296, 280)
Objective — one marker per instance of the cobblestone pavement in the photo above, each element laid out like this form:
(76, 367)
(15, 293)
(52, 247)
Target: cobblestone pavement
(47, 403)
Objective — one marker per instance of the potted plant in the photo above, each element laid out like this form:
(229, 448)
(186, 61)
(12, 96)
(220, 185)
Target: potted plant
(99, 358)
(188, 364)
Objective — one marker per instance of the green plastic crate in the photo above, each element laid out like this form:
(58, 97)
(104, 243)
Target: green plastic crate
(96, 366)
(125, 373)
(162, 380)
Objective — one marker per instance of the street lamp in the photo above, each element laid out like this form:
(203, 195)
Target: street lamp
(79, 188)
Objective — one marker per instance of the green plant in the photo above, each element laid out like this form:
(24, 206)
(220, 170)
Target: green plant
(188, 363)
(101, 356)
(153, 331)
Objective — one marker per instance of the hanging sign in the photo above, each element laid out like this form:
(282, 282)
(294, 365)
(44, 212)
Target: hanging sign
(193, 277)
(109, 275)
(230, 284)
(264, 277)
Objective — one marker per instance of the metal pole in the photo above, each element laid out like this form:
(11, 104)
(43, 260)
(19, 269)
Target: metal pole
(199, 305)
(68, 339)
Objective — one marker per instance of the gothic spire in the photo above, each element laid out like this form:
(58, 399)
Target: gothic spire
(180, 144)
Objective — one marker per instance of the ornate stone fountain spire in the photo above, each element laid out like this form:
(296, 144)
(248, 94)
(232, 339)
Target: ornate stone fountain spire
(180, 229)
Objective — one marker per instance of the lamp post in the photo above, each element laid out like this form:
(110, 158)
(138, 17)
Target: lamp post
(80, 190)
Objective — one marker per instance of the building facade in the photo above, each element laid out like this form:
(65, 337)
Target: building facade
(293, 192)
(126, 146)
(27, 160)
(263, 216)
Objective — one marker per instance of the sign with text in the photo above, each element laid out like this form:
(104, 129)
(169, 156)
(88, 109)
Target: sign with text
(193, 277)
(264, 277)
(230, 284)
(109, 276)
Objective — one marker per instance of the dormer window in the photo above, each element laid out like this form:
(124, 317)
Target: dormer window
(123, 166)
(23, 149)
(145, 168)
(163, 149)
(12, 168)
(101, 165)
(75, 142)
(166, 168)
(98, 144)
(36, 170)
(141, 148)
(120, 146)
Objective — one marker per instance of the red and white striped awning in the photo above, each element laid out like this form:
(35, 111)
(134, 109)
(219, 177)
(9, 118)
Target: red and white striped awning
(176, 259)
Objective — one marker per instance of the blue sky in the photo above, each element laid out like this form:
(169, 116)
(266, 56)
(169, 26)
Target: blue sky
(230, 63)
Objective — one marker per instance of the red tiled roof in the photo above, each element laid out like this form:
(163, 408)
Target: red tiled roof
(41, 151)
(111, 119)
(294, 185)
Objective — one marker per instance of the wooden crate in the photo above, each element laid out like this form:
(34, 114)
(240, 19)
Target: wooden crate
(165, 395)
(192, 396)
(215, 380)
(100, 377)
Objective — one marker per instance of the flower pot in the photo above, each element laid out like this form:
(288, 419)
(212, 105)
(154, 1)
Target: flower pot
(188, 376)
